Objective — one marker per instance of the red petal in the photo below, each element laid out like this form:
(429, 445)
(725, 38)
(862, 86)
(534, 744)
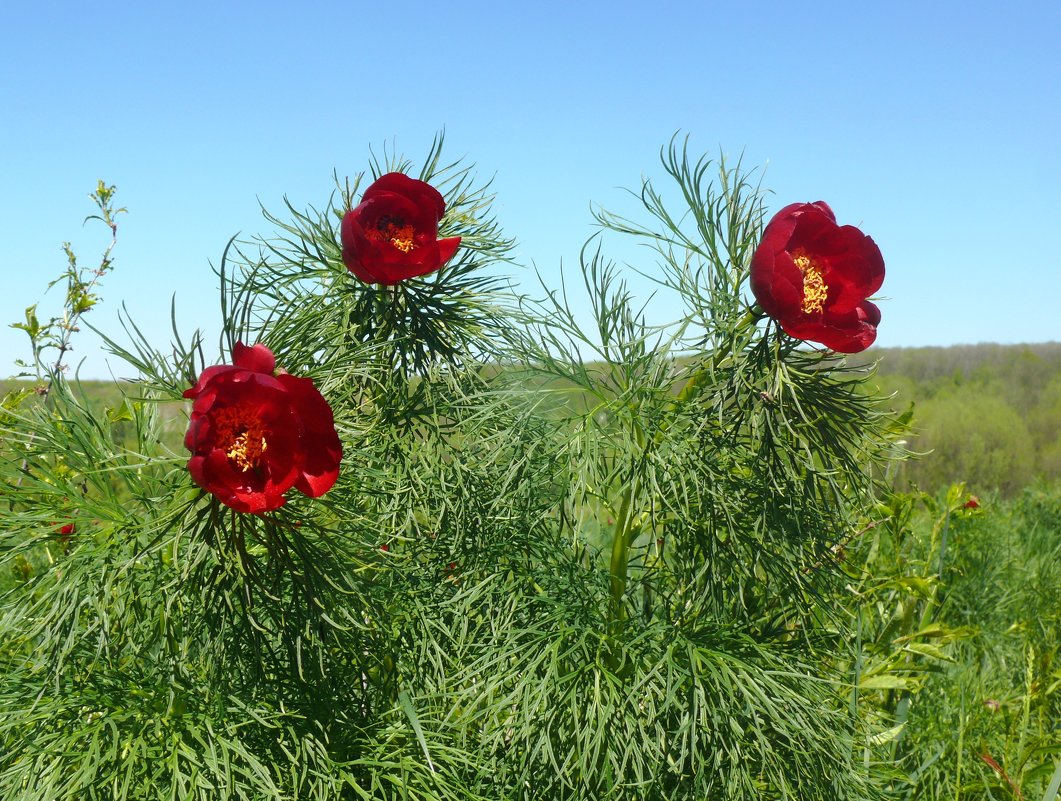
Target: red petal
(244, 492)
(776, 282)
(357, 247)
(319, 445)
(446, 249)
(208, 375)
(854, 267)
(421, 216)
(256, 358)
(823, 207)
(420, 193)
(390, 274)
(850, 332)
(389, 266)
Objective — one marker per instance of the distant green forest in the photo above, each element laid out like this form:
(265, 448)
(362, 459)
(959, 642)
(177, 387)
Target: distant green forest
(988, 415)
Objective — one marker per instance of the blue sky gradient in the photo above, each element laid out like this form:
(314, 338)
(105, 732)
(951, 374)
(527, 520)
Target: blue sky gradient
(935, 127)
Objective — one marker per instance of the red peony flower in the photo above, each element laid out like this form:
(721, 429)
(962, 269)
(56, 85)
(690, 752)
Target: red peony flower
(813, 276)
(393, 233)
(255, 435)
(66, 534)
(972, 503)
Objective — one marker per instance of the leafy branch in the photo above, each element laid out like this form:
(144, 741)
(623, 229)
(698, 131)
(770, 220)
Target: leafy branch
(81, 285)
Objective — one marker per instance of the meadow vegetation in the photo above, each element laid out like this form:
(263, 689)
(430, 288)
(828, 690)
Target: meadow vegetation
(694, 563)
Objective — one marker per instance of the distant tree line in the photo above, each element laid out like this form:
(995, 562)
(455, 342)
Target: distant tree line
(988, 415)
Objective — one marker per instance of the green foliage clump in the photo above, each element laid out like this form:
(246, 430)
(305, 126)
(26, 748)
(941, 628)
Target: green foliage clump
(639, 594)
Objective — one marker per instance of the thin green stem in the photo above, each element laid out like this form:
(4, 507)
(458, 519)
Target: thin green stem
(626, 530)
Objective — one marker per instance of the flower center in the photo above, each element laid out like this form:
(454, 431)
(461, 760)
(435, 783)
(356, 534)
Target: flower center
(395, 231)
(814, 289)
(241, 435)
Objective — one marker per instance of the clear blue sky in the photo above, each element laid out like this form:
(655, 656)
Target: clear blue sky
(934, 126)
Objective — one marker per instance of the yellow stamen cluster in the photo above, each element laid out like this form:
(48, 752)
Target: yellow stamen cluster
(814, 289)
(403, 239)
(242, 436)
(395, 231)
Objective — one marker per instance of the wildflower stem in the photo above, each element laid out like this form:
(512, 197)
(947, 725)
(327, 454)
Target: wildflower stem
(626, 526)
